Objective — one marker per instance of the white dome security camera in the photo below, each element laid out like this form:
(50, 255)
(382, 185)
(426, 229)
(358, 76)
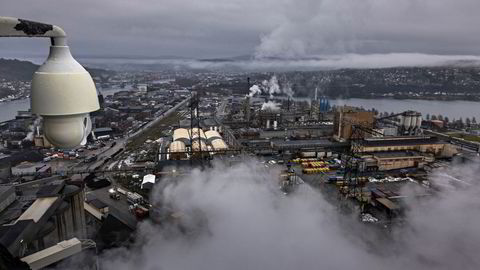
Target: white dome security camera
(63, 92)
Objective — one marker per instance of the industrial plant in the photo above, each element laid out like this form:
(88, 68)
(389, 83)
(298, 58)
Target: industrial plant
(59, 204)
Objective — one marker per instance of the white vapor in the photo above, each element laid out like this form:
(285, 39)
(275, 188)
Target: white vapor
(255, 90)
(325, 62)
(329, 27)
(270, 105)
(332, 62)
(32, 128)
(237, 218)
(271, 87)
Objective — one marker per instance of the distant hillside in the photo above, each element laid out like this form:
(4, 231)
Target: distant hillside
(17, 70)
(415, 82)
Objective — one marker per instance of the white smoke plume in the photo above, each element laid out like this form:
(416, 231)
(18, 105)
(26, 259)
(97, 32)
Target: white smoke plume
(271, 87)
(270, 106)
(254, 90)
(237, 218)
(332, 27)
(32, 127)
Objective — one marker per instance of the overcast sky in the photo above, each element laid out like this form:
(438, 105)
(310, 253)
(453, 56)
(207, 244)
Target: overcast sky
(280, 28)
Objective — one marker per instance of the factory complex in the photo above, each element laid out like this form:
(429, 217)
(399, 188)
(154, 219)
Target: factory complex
(357, 158)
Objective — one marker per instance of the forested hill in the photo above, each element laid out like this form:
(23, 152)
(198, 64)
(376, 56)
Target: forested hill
(17, 70)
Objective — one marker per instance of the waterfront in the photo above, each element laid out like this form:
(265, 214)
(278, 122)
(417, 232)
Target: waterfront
(451, 109)
(8, 109)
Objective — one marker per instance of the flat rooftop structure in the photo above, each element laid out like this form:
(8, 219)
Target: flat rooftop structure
(53, 254)
(399, 141)
(388, 204)
(38, 209)
(397, 154)
(7, 196)
(295, 144)
(103, 129)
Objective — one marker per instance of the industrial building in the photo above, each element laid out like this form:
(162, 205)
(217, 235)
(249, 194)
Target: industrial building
(385, 161)
(346, 118)
(41, 215)
(187, 143)
(422, 144)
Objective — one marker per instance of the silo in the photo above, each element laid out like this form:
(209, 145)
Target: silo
(407, 121)
(181, 134)
(413, 124)
(177, 150)
(198, 147)
(219, 145)
(75, 215)
(197, 133)
(275, 124)
(61, 223)
(419, 120)
(268, 124)
(400, 123)
(212, 135)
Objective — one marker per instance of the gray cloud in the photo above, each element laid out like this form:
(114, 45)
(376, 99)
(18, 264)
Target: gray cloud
(237, 218)
(285, 28)
(316, 63)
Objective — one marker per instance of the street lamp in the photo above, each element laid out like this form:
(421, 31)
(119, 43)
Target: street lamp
(62, 91)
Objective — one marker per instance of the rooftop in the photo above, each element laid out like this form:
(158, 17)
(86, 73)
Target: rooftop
(38, 209)
(396, 154)
(399, 141)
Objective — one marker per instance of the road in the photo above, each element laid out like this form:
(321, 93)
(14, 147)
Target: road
(158, 119)
(220, 113)
(473, 146)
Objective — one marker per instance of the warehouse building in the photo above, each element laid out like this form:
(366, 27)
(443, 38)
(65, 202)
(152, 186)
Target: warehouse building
(195, 142)
(422, 144)
(385, 161)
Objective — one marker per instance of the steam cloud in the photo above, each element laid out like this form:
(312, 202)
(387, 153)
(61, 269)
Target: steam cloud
(271, 87)
(335, 27)
(237, 218)
(255, 90)
(270, 105)
(32, 127)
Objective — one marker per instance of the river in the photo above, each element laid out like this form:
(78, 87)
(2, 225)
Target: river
(451, 109)
(8, 110)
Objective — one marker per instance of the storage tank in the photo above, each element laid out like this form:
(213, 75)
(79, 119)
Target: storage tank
(181, 134)
(74, 214)
(212, 135)
(197, 132)
(268, 124)
(413, 123)
(196, 146)
(177, 150)
(419, 121)
(219, 145)
(407, 122)
(275, 124)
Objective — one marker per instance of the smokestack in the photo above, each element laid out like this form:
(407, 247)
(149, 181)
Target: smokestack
(316, 93)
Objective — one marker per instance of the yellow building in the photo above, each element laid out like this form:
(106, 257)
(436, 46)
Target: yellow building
(422, 144)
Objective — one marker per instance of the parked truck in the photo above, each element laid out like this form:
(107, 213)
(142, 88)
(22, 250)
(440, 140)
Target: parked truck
(134, 198)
